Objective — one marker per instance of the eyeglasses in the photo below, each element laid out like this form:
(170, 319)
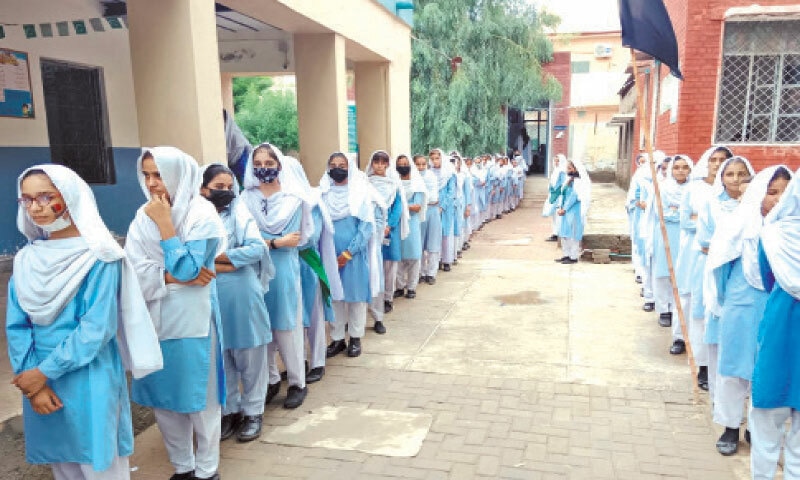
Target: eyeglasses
(43, 200)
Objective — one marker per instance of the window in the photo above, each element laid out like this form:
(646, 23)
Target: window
(759, 100)
(580, 67)
(77, 121)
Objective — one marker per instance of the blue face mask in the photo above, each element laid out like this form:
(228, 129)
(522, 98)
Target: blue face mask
(266, 175)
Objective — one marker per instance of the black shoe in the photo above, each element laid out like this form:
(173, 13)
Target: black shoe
(212, 477)
(561, 260)
(446, 267)
(387, 307)
(665, 319)
(467, 246)
(335, 348)
(315, 375)
(354, 349)
(379, 328)
(411, 294)
(183, 476)
(552, 238)
(649, 306)
(641, 292)
(272, 390)
(284, 375)
(250, 429)
(638, 279)
(431, 280)
(230, 423)
(702, 378)
(747, 437)
(398, 293)
(295, 397)
(728, 443)
(458, 255)
(569, 261)
(678, 347)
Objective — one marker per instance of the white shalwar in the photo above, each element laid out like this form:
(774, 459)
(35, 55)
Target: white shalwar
(768, 433)
(348, 313)
(119, 470)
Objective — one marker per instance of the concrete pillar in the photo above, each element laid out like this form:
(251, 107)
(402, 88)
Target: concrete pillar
(399, 96)
(227, 92)
(321, 99)
(372, 108)
(176, 76)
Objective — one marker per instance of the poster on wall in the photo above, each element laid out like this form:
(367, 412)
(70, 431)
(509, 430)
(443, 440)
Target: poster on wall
(15, 85)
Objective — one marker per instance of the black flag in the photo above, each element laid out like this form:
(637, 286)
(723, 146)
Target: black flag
(646, 27)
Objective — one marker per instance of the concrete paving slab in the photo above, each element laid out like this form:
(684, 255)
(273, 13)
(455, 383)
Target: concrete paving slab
(377, 432)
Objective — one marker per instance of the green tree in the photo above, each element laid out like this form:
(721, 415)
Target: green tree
(502, 45)
(264, 115)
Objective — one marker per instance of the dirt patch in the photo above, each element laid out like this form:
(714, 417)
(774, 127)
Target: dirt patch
(529, 297)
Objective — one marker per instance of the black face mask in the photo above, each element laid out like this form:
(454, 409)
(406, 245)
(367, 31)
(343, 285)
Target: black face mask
(574, 174)
(404, 170)
(337, 174)
(221, 198)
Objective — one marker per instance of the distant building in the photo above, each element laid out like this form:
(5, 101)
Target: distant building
(741, 64)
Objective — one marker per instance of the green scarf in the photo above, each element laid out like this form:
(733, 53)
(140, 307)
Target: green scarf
(314, 261)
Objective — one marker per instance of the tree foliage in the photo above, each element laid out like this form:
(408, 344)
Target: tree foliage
(264, 115)
(502, 45)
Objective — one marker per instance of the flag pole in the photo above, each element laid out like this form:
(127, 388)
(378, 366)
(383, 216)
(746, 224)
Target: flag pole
(645, 129)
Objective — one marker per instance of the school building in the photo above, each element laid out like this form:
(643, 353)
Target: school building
(741, 88)
(88, 83)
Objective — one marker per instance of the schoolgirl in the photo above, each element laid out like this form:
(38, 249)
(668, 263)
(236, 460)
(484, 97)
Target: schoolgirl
(573, 205)
(416, 194)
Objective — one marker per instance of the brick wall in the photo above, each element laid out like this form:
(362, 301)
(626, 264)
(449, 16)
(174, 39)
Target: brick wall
(699, 27)
(561, 69)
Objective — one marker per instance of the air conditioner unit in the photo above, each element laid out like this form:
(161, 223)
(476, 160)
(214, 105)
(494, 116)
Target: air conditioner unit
(602, 50)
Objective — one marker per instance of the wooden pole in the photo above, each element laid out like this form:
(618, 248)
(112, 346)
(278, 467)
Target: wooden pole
(645, 128)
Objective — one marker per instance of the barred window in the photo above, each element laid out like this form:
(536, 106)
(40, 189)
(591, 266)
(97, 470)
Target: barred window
(759, 99)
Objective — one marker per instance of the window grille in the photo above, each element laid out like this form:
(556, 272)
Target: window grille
(759, 99)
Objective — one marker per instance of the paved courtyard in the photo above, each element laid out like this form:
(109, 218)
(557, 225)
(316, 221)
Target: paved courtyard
(527, 370)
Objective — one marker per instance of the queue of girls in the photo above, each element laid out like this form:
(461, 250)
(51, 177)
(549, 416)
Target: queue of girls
(734, 239)
(215, 280)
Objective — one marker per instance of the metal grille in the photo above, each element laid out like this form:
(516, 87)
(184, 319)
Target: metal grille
(759, 100)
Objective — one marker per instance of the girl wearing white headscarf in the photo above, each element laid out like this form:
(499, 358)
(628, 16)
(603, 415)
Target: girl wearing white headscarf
(574, 202)
(672, 191)
(776, 375)
(172, 243)
(733, 268)
(445, 174)
(461, 204)
(647, 227)
(319, 272)
(691, 262)
(382, 175)
(634, 208)
(346, 193)
(431, 226)
(558, 176)
(283, 214)
(416, 193)
(474, 172)
(717, 210)
(245, 319)
(75, 320)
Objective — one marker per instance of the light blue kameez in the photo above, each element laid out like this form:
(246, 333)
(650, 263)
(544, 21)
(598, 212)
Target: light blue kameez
(79, 355)
(245, 320)
(352, 234)
(776, 376)
(181, 385)
(742, 309)
(283, 296)
(308, 278)
(391, 252)
(572, 221)
(447, 197)
(673, 226)
(411, 246)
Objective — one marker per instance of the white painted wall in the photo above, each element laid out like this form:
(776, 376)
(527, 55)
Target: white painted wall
(108, 50)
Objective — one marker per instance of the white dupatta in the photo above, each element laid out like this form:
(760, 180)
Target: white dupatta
(780, 239)
(47, 277)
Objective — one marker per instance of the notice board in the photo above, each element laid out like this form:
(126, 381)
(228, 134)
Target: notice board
(15, 85)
